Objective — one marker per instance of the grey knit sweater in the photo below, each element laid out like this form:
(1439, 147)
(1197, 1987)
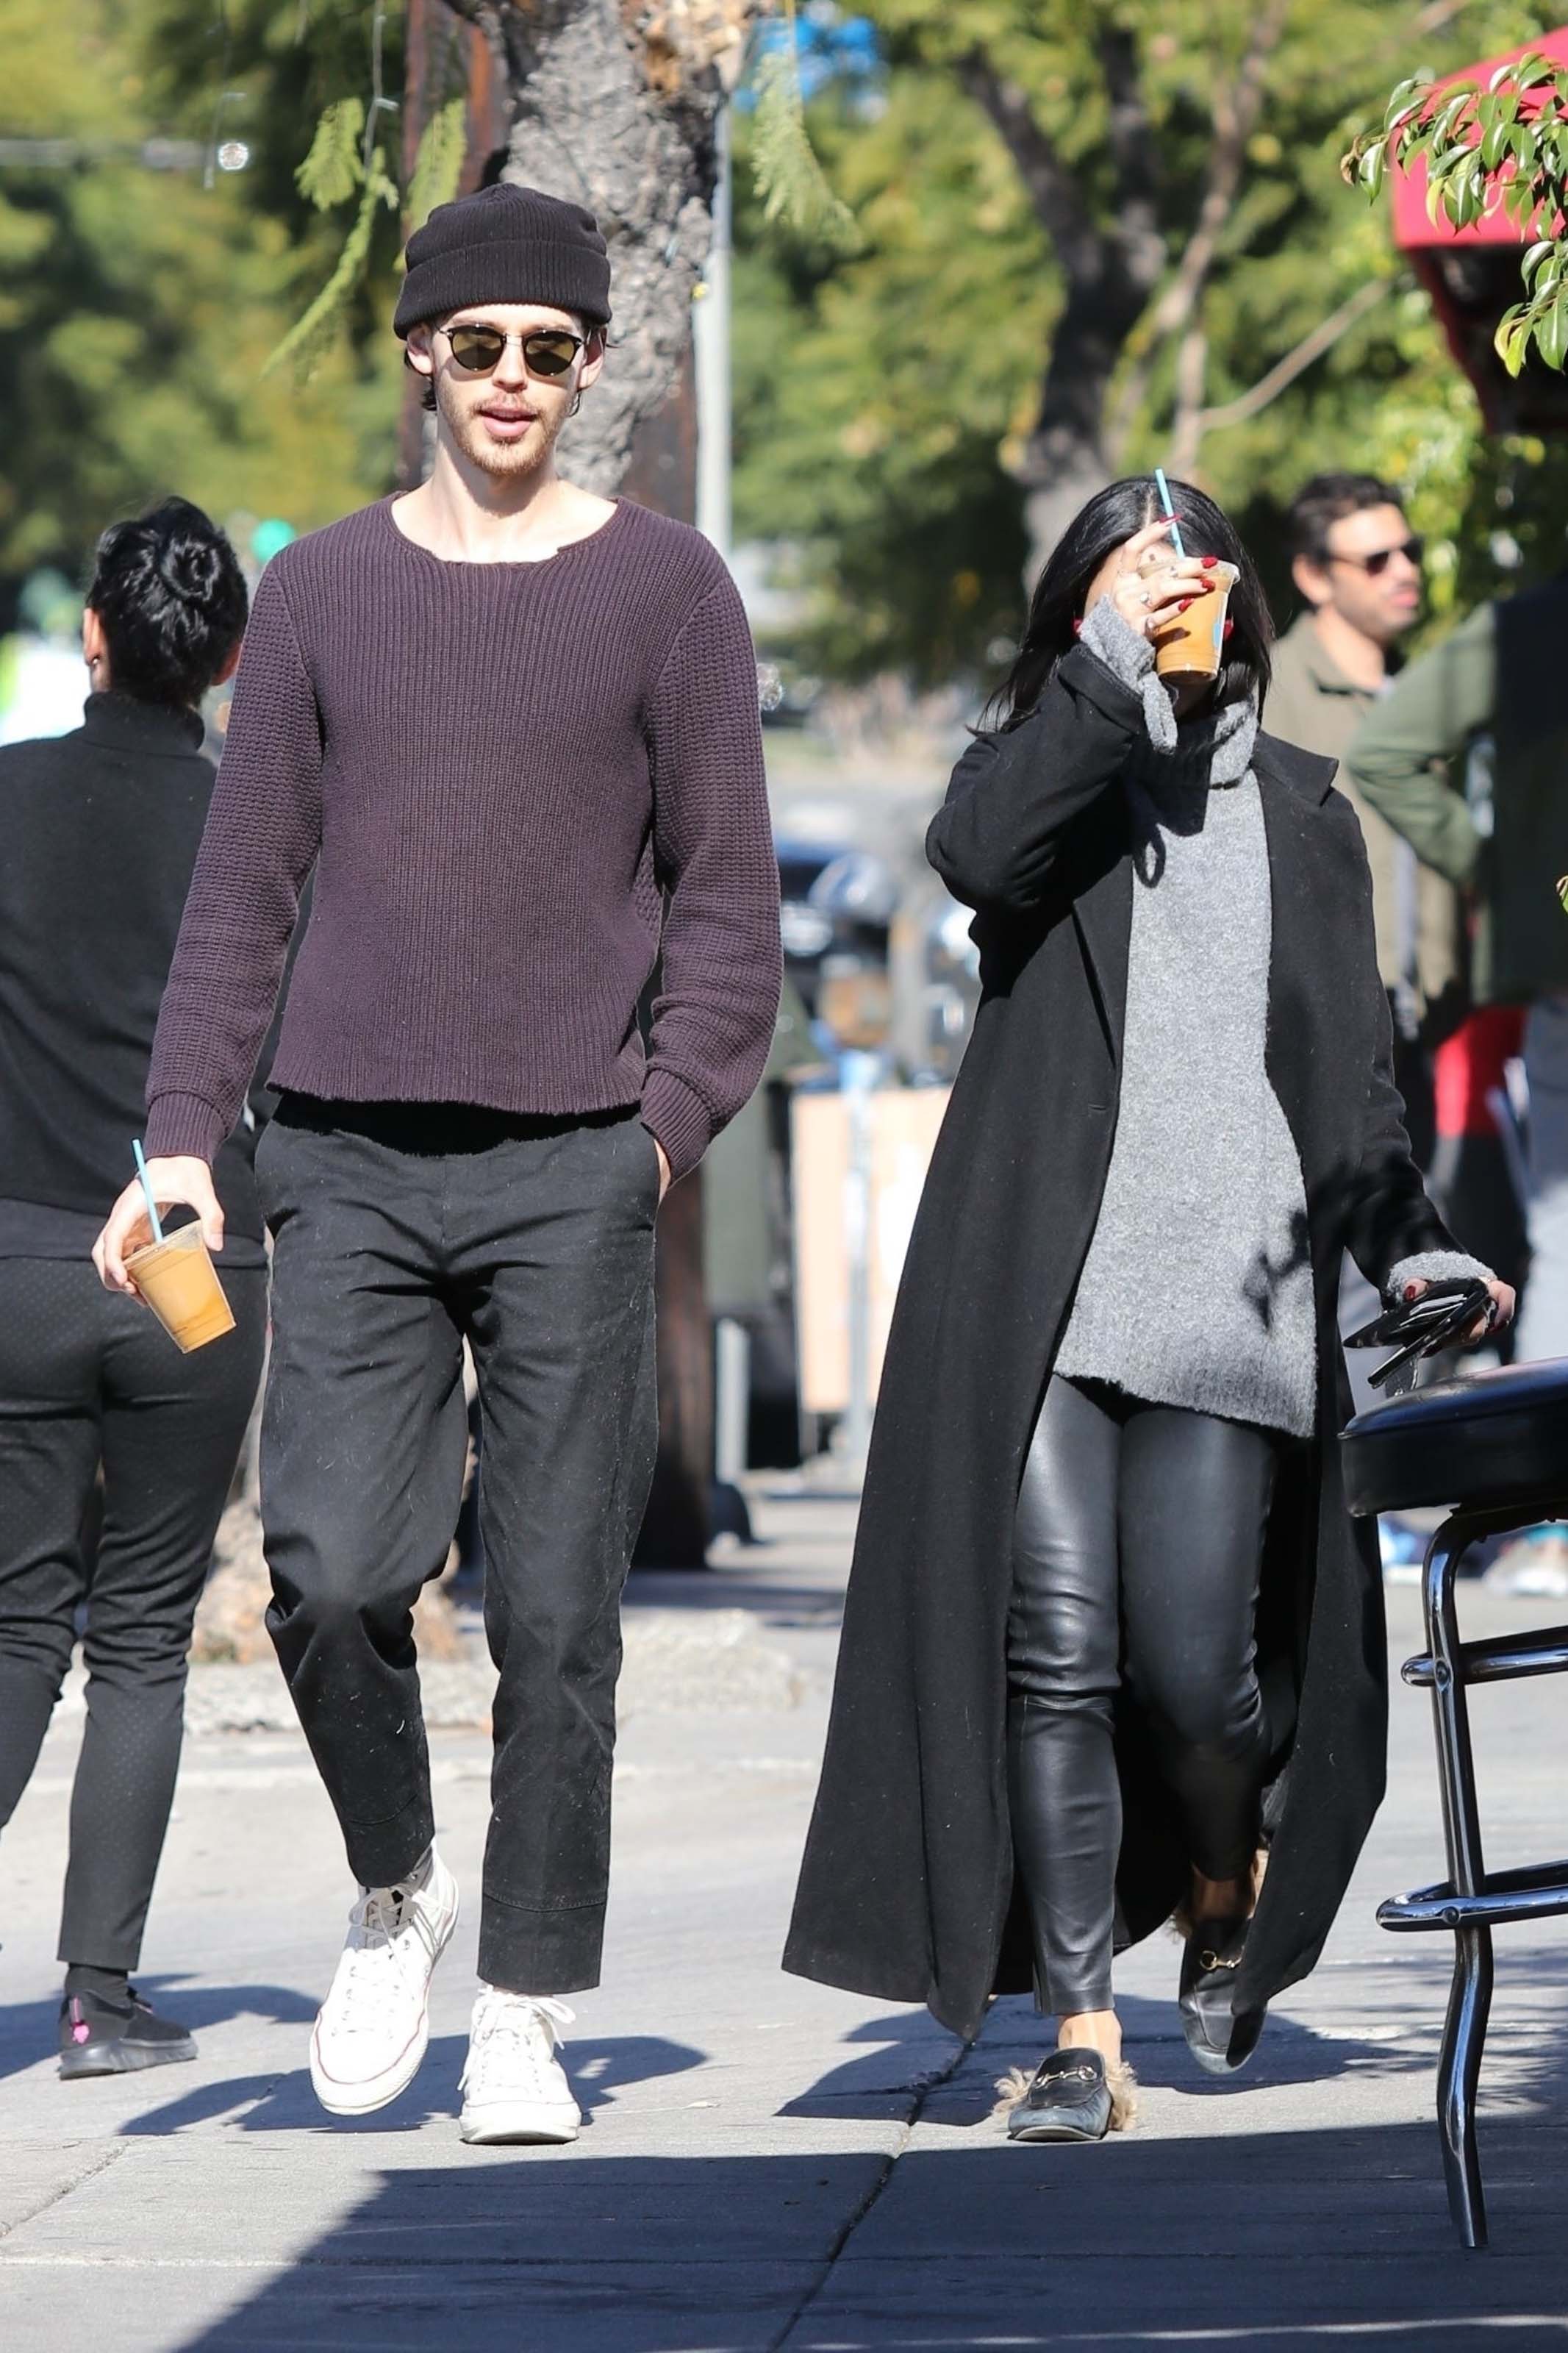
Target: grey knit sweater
(1197, 1287)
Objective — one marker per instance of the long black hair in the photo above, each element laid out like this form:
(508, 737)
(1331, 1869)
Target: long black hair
(1096, 531)
(169, 591)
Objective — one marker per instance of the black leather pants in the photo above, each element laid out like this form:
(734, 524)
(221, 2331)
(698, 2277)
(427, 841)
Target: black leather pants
(1137, 1548)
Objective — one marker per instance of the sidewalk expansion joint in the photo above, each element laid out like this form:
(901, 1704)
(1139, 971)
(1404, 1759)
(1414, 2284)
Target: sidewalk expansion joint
(115, 2149)
(883, 2177)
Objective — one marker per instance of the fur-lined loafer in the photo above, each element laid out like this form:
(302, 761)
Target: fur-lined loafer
(1074, 2095)
(1220, 2038)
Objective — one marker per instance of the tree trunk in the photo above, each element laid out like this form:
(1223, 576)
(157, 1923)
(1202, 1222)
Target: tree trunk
(1111, 268)
(615, 105)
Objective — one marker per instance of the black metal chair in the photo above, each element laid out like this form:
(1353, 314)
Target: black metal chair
(1494, 1448)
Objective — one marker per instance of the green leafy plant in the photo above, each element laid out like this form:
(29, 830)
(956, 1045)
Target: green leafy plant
(438, 165)
(334, 167)
(345, 158)
(1503, 148)
(790, 180)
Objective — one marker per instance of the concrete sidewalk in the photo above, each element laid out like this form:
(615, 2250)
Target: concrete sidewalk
(770, 2164)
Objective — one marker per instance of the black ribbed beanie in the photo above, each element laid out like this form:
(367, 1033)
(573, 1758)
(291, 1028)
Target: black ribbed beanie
(506, 245)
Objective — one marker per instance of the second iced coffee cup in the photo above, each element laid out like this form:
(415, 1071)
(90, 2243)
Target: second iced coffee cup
(179, 1282)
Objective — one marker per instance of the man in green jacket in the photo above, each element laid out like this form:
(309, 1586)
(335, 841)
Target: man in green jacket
(1467, 759)
(1357, 564)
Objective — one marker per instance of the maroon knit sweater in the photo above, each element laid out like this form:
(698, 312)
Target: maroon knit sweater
(496, 770)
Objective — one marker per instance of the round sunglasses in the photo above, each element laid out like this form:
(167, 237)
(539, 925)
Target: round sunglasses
(476, 349)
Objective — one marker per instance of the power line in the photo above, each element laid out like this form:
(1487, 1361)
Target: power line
(64, 153)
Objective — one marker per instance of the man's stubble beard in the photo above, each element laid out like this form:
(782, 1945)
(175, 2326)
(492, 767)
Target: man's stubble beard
(502, 460)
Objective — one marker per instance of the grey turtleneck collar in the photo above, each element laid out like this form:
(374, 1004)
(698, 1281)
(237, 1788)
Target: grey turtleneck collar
(1211, 748)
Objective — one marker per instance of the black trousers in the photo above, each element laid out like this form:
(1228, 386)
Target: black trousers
(1137, 1551)
(398, 1231)
(87, 1378)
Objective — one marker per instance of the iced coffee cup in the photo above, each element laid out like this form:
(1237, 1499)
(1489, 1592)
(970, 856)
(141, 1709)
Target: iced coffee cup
(179, 1282)
(1191, 644)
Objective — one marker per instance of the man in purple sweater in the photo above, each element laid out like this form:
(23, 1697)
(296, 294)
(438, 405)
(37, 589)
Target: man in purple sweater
(512, 730)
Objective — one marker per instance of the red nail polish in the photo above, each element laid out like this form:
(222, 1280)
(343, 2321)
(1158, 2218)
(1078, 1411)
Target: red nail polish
(1228, 629)
(1185, 602)
(1077, 628)
(1209, 562)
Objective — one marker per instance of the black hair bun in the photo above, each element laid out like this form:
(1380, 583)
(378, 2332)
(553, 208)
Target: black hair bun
(169, 592)
(191, 567)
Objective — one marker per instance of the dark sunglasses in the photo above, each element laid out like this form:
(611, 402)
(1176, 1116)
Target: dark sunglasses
(546, 351)
(1415, 547)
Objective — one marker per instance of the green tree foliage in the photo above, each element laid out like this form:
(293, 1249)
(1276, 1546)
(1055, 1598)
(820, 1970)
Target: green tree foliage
(137, 307)
(890, 399)
(873, 392)
(1501, 148)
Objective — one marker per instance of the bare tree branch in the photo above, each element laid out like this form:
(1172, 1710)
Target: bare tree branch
(1441, 12)
(1236, 107)
(1191, 366)
(1052, 188)
(1133, 152)
(1312, 347)
(1111, 263)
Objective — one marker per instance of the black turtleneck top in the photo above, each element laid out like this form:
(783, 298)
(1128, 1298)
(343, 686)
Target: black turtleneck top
(98, 835)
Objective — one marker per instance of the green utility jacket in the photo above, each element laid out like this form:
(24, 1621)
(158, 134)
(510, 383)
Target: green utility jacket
(1467, 758)
(1415, 916)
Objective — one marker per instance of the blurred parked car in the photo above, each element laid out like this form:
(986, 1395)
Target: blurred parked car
(836, 908)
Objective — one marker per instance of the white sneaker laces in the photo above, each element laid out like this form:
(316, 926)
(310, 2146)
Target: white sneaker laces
(518, 2034)
(387, 1929)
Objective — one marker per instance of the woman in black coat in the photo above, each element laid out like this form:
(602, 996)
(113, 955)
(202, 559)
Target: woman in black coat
(1111, 1640)
(100, 830)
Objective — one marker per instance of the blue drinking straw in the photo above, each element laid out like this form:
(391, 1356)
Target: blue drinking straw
(147, 1187)
(1165, 501)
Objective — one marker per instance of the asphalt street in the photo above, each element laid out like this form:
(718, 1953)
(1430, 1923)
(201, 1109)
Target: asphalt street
(769, 2165)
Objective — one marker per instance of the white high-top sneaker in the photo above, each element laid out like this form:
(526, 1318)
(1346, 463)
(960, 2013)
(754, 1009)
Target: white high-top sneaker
(513, 2086)
(372, 2029)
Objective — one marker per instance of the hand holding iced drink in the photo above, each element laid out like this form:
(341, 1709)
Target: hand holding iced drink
(1190, 645)
(173, 1272)
(179, 1282)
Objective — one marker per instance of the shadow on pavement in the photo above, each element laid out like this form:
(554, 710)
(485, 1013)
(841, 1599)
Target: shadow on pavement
(912, 2051)
(30, 2029)
(286, 2103)
(1278, 2240)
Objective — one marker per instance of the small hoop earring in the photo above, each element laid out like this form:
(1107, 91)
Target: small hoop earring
(576, 403)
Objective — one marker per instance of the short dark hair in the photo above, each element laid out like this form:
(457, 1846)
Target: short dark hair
(169, 591)
(1106, 524)
(1325, 501)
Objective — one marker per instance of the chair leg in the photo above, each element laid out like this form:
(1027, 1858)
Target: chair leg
(1458, 2072)
(1470, 2000)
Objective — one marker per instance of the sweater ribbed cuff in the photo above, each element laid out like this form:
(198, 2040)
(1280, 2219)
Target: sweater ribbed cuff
(178, 1125)
(1435, 1266)
(675, 1116)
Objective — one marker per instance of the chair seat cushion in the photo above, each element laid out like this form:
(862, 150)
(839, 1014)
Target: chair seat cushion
(1496, 1437)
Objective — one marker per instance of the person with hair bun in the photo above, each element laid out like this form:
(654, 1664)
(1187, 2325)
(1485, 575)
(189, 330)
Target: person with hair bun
(101, 829)
(1112, 1638)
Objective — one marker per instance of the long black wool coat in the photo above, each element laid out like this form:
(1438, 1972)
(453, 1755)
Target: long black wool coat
(907, 1890)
